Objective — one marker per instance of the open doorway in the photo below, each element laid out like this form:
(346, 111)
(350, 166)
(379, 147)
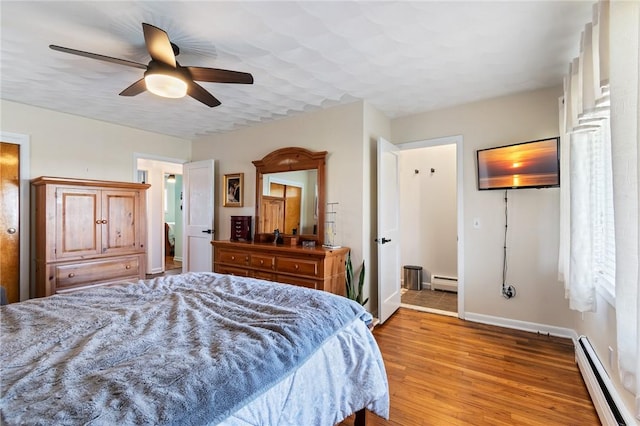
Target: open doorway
(429, 223)
(173, 225)
(164, 213)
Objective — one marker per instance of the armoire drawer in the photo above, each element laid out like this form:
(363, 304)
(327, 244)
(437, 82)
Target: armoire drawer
(298, 266)
(233, 257)
(72, 275)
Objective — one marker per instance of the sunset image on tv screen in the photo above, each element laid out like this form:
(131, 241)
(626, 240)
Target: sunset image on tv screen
(532, 164)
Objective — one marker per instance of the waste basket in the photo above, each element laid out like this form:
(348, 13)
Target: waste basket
(413, 277)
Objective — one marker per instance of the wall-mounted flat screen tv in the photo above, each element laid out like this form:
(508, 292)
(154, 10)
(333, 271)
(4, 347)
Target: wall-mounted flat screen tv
(534, 164)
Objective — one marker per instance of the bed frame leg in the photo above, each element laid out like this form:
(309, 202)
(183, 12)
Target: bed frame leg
(360, 418)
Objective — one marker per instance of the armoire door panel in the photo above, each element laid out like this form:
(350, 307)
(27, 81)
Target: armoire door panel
(119, 215)
(78, 230)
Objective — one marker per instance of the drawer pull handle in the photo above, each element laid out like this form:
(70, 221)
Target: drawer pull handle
(127, 267)
(233, 258)
(262, 262)
(296, 266)
(71, 275)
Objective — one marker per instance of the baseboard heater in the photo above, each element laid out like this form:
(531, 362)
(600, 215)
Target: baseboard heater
(442, 282)
(598, 383)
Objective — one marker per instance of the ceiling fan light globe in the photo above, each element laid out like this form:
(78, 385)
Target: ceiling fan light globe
(164, 85)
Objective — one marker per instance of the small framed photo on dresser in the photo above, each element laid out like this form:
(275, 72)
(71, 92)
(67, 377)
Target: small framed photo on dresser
(233, 190)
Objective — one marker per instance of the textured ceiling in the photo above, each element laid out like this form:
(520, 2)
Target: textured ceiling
(401, 57)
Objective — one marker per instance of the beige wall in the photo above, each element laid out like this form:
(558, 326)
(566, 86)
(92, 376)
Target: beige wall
(533, 214)
(65, 145)
(337, 130)
(428, 212)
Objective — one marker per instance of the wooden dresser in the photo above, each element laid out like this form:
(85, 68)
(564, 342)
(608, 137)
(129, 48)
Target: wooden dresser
(87, 232)
(319, 268)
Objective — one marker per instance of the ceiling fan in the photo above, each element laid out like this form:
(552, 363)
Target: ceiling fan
(164, 76)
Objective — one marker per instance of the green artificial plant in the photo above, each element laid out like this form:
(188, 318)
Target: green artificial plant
(353, 292)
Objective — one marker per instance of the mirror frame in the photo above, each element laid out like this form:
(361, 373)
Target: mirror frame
(288, 160)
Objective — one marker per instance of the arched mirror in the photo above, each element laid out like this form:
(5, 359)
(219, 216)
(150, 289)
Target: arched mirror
(290, 194)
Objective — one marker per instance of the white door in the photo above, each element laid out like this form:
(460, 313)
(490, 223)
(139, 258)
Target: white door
(388, 236)
(198, 182)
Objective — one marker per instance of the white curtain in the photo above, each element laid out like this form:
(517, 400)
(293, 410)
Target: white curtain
(625, 136)
(603, 82)
(583, 128)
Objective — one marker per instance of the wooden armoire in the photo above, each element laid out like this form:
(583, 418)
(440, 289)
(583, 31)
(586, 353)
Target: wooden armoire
(87, 233)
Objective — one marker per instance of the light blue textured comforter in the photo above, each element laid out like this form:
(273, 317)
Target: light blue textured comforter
(183, 349)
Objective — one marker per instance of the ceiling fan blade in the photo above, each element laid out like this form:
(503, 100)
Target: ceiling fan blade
(135, 89)
(215, 75)
(97, 56)
(197, 92)
(158, 45)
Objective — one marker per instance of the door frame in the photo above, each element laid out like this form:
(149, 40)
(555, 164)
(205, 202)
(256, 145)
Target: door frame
(458, 140)
(150, 212)
(25, 218)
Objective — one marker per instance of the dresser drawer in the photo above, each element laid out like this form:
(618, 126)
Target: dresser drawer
(73, 275)
(298, 266)
(263, 261)
(264, 275)
(302, 282)
(230, 270)
(233, 257)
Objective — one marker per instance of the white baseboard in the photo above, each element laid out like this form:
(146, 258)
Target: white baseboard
(522, 325)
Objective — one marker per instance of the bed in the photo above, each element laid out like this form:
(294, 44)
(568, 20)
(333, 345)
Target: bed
(196, 348)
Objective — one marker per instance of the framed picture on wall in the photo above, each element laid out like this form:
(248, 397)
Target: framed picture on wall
(233, 190)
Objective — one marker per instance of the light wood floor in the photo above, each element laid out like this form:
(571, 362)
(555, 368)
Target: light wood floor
(445, 371)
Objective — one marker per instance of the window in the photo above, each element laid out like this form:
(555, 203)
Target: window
(604, 247)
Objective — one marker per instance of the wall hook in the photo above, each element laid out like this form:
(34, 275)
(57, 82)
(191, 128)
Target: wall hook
(416, 171)
(433, 170)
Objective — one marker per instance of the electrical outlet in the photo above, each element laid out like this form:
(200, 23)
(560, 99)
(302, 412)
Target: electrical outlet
(508, 291)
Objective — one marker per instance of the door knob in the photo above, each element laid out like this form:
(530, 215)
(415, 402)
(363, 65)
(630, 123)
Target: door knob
(383, 240)
(207, 231)
(11, 230)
